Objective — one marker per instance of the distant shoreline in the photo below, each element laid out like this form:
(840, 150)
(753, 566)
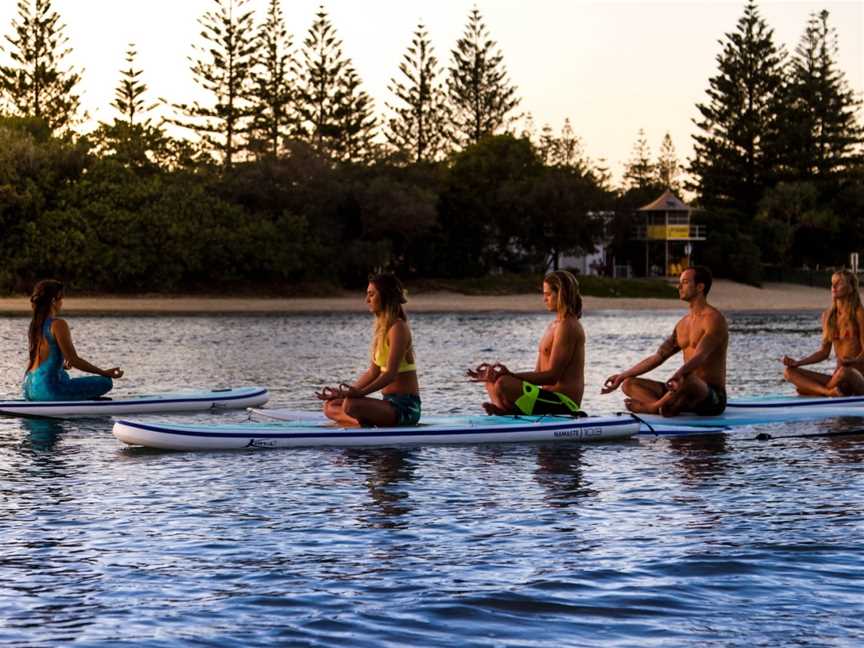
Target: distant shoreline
(725, 295)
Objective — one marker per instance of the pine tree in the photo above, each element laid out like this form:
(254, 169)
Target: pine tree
(568, 151)
(223, 68)
(822, 133)
(129, 95)
(420, 121)
(354, 117)
(37, 84)
(132, 138)
(274, 116)
(547, 146)
(480, 93)
(668, 169)
(735, 156)
(640, 172)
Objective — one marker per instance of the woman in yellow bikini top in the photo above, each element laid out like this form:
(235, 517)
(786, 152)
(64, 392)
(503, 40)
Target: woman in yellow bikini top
(391, 347)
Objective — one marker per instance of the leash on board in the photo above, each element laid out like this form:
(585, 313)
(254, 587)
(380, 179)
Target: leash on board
(765, 436)
(645, 423)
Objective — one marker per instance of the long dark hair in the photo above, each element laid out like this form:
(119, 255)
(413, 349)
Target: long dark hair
(45, 294)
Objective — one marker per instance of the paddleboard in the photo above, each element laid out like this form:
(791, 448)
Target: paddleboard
(659, 427)
(463, 429)
(769, 409)
(186, 401)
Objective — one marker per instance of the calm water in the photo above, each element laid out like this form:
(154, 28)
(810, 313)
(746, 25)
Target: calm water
(705, 541)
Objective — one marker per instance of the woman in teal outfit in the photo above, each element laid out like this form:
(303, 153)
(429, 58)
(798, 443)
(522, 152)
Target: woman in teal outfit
(52, 351)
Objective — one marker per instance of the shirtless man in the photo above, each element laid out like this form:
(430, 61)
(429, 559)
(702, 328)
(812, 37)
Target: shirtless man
(699, 386)
(842, 328)
(557, 383)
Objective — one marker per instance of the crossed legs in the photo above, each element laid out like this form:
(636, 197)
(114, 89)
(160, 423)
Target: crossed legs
(845, 381)
(646, 396)
(363, 412)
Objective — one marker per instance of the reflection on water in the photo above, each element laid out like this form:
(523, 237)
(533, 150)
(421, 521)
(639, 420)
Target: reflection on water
(713, 540)
(559, 471)
(701, 457)
(41, 434)
(386, 469)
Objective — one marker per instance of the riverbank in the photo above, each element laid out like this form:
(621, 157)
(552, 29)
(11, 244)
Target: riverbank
(726, 295)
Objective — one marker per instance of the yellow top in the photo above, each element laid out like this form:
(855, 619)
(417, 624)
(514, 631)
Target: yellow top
(383, 352)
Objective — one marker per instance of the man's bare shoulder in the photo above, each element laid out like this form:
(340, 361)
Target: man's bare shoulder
(570, 326)
(714, 316)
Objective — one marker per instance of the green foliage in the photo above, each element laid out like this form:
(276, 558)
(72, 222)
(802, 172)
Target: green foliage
(337, 115)
(729, 252)
(129, 95)
(35, 170)
(821, 134)
(420, 122)
(274, 116)
(223, 69)
(736, 152)
(482, 207)
(37, 85)
(668, 169)
(640, 172)
(480, 93)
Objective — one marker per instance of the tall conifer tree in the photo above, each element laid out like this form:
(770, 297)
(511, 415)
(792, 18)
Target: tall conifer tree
(131, 138)
(336, 114)
(274, 115)
(354, 117)
(129, 96)
(736, 151)
(640, 172)
(223, 68)
(822, 133)
(480, 93)
(668, 169)
(420, 122)
(37, 84)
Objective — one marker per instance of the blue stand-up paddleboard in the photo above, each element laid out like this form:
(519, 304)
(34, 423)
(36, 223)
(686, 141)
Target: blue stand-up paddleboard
(185, 401)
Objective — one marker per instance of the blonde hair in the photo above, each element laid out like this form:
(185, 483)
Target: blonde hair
(392, 296)
(851, 279)
(567, 287)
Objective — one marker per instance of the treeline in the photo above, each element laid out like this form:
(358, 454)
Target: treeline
(291, 177)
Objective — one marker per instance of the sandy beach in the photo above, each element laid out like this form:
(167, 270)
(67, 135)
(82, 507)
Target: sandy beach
(726, 295)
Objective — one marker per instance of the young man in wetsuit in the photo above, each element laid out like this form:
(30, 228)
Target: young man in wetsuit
(557, 383)
(699, 386)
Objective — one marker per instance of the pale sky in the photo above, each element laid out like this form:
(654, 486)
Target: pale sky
(612, 67)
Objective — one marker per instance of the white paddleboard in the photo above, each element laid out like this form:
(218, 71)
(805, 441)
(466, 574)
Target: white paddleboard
(191, 401)
(768, 409)
(461, 429)
(659, 427)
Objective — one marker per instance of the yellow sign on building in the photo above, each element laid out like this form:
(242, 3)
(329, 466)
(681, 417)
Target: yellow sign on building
(668, 232)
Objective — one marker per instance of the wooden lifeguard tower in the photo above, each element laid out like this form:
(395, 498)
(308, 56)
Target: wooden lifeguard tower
(665, 227)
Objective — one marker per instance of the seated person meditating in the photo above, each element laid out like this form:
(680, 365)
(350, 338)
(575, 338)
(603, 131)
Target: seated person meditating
(391, 370)
(843, 329)
(699, 385)
(51, 350)
(557, 383)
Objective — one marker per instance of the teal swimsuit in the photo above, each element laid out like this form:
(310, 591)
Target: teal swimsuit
(50, 382)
